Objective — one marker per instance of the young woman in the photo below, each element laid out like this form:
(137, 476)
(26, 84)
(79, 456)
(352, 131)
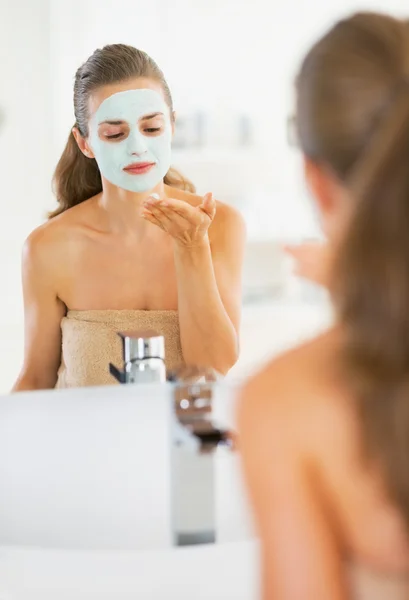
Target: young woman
(130, 245)
(324, 429)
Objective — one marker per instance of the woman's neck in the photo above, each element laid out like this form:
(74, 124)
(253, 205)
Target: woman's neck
(123, 208)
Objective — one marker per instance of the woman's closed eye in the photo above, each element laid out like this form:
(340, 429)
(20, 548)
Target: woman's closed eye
(114, 136)
(152, 129)
(153, 125)
(111, 133)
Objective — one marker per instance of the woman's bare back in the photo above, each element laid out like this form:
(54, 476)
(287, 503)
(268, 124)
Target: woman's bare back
(319, 503)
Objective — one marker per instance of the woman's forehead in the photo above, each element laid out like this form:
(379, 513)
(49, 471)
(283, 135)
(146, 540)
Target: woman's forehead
(130, 106)
(103, 93)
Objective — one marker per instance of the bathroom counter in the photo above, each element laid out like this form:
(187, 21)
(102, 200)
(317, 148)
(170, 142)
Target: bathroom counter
(212, 572)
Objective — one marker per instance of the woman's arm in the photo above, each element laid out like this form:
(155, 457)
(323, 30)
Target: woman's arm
(300, 557)
(209, 295)
(43, 312)
(209, 271)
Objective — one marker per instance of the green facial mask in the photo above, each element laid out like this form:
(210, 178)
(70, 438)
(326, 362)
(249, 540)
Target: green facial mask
(136, 147)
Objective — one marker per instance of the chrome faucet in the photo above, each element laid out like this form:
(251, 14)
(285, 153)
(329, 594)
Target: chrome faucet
(144, 358)
(196, 434)
(196, 439)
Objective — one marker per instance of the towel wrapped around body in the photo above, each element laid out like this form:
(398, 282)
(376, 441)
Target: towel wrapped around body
(372, 584)
(90, 342)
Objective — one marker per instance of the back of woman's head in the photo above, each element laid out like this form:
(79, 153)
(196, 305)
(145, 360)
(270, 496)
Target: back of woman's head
(353, 117)
(77, 177)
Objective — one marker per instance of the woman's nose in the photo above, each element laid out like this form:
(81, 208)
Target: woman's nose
(136, 143)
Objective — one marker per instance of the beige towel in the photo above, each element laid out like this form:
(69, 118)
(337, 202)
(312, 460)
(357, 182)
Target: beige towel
(90, 342)
(368, 584)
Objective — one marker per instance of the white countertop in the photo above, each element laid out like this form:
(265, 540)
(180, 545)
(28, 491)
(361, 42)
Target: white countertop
(211, 572)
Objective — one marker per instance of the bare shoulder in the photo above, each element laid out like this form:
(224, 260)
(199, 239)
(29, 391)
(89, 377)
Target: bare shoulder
(294, 395)
(51, 240)
(228, 217)
(42, 241)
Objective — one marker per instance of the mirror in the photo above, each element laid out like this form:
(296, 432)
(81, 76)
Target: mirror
(230, 66)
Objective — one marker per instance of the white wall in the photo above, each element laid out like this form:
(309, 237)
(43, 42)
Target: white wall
(222, 57)
(24, 158)
(77, 28)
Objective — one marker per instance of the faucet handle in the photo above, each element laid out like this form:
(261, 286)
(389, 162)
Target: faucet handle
(194, 405)
(120, 376)
(185, 374)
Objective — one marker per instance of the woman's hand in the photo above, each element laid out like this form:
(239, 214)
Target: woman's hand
(187, 224)
(311, 261)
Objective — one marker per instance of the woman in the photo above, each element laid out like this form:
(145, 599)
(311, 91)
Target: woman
(130, 245)
(324, 429)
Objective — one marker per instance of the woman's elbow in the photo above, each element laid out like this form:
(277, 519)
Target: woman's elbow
(221, 357)
(28, 381)
(227, 360)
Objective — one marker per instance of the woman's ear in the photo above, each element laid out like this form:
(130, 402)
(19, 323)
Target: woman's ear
(82, 143)
(330, 195)
(322, 186)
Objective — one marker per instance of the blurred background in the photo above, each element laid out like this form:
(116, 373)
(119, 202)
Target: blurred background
(230, 65)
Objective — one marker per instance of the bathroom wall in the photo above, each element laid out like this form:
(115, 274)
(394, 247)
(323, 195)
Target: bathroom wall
(225, 61)
(77, 28)
(25, 166)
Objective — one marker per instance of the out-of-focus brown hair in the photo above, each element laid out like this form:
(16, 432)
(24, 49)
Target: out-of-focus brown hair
(77, 177)
(353, 116)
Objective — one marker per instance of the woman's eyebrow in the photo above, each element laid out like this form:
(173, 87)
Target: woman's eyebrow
(151, 116)
(121, 122)
(108, 122)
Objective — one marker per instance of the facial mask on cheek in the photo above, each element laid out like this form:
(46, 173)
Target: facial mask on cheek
(113, 156)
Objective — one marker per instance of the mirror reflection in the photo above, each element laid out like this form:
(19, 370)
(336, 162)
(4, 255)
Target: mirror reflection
(87, 268)
(131, 247)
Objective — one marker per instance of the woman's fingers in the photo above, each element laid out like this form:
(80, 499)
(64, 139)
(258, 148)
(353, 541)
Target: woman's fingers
(179, 207)
(192, 214)
(208, 205)
(157, 210)
(179, 219)
(169, 218)
(148, 216)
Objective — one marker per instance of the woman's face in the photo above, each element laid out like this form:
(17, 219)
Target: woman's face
(130, 132)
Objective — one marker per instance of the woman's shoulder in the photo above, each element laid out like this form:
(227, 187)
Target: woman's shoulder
(50, 240)
(43, 237)
(49, 233)
(40, 251)
(296, 393)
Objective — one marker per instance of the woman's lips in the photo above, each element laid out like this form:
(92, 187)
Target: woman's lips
(139, 168)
